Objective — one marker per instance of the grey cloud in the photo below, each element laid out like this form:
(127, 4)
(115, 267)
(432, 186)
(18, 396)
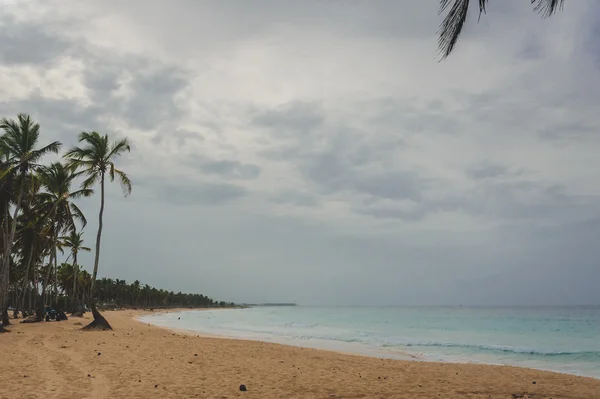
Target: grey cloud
(209, 194)
(512, 200)
(180, 136)
(568, 131)
(295, 198)
(27, 43)
(532, 115)
(102, 80)
(153, 101)
(393, 185)
(411, 116)
(487, 170)
(335, 156)
(293, 118)
(391, 212)
(62, 119)
(337, 170)
(389, 20)
(231, 169)
(223, 168)
(531, 49)
(152, 86)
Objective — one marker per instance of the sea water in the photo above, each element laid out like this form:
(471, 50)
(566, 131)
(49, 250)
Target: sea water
(563, 339)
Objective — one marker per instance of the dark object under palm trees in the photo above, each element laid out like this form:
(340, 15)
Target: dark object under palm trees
(457, 11)
(95, 158)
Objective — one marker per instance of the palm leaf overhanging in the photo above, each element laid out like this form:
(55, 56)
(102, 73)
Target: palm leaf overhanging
(458, 10)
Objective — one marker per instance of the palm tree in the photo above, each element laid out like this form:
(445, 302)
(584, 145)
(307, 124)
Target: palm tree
(75, 242)
(29, 240)
(453, 23)
(57, 199)
(19, 144)
(34, 242)
(7, 189)
(95, 159)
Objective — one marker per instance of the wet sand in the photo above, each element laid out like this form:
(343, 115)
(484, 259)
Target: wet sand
(57, 360)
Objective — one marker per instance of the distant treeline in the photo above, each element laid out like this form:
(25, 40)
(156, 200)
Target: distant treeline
(118, 293)
(121, 294)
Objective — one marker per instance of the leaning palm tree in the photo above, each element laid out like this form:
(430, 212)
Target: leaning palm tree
(95, 158)
(456, 16)
(19, 144)
(75, 242)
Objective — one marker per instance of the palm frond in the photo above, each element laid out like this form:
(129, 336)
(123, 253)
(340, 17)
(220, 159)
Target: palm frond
(78, 214)
(118, 148)
(53, 147)
(123, 179)
(90, 181)
(84, 192)
(453, 23)
(7, 171)
(458, 10)
(79, 153)
(547, 8)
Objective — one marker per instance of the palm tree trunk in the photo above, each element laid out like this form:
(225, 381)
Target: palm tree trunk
(74, 301)
(24, 309)
(38, 303)
(5, 295)
(46, 282)
(7, 251)
(21, 298)
(29, 299)
(98, 238)
(99, 322)
(56, 268)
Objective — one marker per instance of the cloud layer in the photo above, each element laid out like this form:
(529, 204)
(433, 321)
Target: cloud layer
(318, 152)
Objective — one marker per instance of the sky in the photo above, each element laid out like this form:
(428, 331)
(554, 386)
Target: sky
(319, 152)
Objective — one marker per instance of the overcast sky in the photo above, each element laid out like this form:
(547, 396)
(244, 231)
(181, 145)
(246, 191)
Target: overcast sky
(319, 152)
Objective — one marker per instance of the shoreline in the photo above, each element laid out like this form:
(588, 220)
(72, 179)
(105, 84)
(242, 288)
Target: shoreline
(367, 351)
(58, 360)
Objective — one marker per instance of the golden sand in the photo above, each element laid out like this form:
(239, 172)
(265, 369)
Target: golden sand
(57, 360)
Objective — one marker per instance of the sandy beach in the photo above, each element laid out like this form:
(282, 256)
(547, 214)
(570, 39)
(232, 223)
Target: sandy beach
(57, 360)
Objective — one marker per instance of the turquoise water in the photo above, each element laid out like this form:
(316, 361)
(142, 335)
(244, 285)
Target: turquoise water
(564, 339)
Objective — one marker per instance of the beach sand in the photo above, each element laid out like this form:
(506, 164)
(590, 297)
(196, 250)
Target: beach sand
(57, 360)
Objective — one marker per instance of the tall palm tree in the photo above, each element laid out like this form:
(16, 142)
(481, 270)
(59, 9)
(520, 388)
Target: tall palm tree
(453, 23)
(95, 157)
(19, 144)
(7, 189)
(35, 240)
(57, 197)
(28, 240)
(75, 242)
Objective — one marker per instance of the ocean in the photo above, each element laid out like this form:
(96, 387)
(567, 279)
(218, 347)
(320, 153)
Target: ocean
(563, 339)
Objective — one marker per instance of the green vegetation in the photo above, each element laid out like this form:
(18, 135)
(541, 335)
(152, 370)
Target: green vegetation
(118, 293)
(39, 218)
